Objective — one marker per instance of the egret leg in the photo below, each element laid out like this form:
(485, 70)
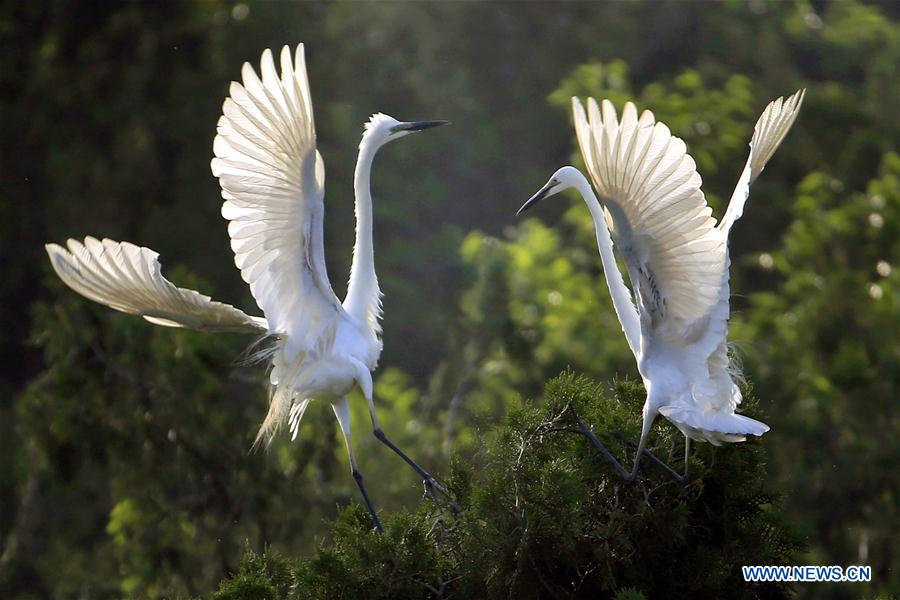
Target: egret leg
(683, 479)
(429, 481)
(687, 459)
(358, 478)
(645, 431)
(342, 412)
(586, 431)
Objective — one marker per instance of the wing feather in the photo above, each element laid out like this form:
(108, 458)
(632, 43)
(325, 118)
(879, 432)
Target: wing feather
(656, 211)
(770, 130)
(129, 279)
(273, 186)
(623, 300)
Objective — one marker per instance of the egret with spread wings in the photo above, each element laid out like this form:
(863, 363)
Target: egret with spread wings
(675, 316)
(273, 184)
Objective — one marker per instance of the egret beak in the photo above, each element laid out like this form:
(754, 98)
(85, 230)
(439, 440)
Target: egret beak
(417, 126)
(542, 193)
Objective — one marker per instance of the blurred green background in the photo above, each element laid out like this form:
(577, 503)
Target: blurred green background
(126, 467)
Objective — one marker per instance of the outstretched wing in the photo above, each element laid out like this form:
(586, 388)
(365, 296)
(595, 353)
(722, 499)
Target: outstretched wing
(657, 214)
(128, 278)
(273, 183)
(770, 130)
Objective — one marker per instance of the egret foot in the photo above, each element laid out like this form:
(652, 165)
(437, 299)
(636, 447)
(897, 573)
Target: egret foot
(428, 494)
(683, 479)
(358, 478)
(429, 480)
(428, 491)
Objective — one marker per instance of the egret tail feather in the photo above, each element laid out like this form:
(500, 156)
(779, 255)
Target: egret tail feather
(715, 427)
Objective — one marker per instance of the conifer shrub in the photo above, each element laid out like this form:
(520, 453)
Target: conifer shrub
(545, 516)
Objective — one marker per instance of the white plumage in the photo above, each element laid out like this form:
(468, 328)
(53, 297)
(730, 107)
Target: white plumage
(273, 184)
(675, 316)
(128, 278)
(655, 210)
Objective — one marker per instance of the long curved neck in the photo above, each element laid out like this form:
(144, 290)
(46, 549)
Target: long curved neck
(363, 299)
(621, 295)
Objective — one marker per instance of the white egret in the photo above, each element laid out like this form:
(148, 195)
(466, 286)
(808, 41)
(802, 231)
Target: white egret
(272, 180)
(677, 260)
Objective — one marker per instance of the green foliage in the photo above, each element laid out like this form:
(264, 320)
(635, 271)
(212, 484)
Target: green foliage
(108, 115)
(542, 288)
(361, 563)
(545, 516)
(629, 594)
(261, 576)
(170, 485)
(822, 353)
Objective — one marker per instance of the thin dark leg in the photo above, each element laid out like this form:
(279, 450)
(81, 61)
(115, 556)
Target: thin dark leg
(683, 479)
(679, 478)
(586, 431)
(342, 412)
(430, 481)
(358, 478)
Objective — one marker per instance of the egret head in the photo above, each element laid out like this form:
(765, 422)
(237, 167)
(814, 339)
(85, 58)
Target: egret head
(382, 128)
(563, 179)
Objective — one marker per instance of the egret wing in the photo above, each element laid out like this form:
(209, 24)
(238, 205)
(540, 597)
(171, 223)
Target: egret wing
(770, 130)
(776, 120)
(128, 278)
(272, 180)
(657, 213)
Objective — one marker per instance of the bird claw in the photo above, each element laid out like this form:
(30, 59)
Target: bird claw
(428, 493)
(631, 445)
(430, 486)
